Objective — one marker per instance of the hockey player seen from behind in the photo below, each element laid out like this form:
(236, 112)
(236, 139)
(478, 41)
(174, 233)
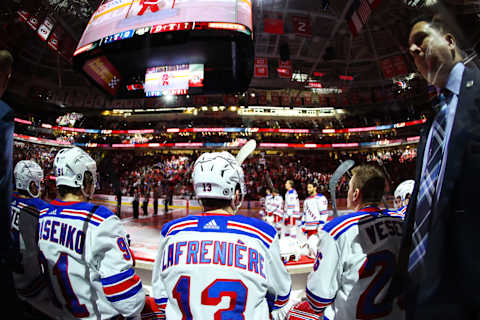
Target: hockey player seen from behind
(314, 210)
(84, 247)
(357, 255)
(218, 265)
(26, 206)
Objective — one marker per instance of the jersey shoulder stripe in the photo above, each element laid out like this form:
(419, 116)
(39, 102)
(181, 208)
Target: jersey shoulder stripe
(179, 224)
(340, 225)
(223, 224)
(77, 211)
(400, 212)
(32, 202)
(121, 286)
(29, 205)
(384, 215)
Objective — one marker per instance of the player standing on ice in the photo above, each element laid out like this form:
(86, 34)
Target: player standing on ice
(218, 265)
(84, 247)
(357, 255)
(277, 209)
(314, 210)
(267, 210)
(292, 208)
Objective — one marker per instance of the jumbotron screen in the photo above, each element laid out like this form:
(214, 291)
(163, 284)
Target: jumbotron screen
(124, 38)
(173, 80)
(116, 17)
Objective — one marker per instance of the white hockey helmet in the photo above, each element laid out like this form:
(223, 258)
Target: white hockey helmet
(403, 189)
(70, 165)
(217, 175)
(26, 172)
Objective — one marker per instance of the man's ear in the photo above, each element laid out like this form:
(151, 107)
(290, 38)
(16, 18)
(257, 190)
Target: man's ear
(451, 41)
(356, 194)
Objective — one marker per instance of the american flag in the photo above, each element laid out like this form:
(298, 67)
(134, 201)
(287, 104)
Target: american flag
(364, 11)
(358, 14)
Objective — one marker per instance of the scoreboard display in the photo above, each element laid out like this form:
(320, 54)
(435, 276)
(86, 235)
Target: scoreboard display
(173, 80)
(132, 42)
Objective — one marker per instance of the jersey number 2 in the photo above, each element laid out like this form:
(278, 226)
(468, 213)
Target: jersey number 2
(212, 296)
(366, 307)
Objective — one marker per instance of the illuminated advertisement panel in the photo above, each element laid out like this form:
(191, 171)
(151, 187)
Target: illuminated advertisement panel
(117, 16)
(173, 80)
(104, 73)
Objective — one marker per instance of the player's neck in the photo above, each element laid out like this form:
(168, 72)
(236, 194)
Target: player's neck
(69, 197)
(228, 210)
(22, 196)
(362, 205)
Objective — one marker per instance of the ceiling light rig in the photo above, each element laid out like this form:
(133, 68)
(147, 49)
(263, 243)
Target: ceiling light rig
(81, 9)
(420, 3)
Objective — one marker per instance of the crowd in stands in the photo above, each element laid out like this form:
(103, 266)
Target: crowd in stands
(136, 173)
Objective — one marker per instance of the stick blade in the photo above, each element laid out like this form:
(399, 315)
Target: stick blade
(246, 150)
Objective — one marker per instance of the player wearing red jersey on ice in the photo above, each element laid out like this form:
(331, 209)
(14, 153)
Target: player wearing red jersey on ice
(357, 255)
(84, 247)
(218, 265)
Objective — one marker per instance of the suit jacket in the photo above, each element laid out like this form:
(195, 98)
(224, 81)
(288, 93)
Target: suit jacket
(6, 171)
(451, 281)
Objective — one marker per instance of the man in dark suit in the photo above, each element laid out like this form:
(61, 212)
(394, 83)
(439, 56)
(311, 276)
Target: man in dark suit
(6, 170)
(440, 255)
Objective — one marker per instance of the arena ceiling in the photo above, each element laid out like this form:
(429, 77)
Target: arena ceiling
(331, 48)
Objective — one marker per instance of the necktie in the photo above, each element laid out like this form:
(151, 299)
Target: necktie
(427, 189)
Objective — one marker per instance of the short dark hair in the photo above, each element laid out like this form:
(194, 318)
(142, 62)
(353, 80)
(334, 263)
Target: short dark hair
(370, 180)
(313, 183)
(64, 190)
(440, 23)
(210, 204)
(6, 61)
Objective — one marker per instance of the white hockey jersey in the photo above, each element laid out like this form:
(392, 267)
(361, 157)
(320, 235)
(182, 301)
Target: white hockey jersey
(89, 261)
(268, 204)
(314, 211)
(292, 204)
(356, 259)
(30, 282)
(215, 266)
(277, 205)
(400, 212)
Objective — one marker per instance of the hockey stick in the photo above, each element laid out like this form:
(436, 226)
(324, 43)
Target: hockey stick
(387, 176)
(245, 151)
(337, 175)
(267, 174)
